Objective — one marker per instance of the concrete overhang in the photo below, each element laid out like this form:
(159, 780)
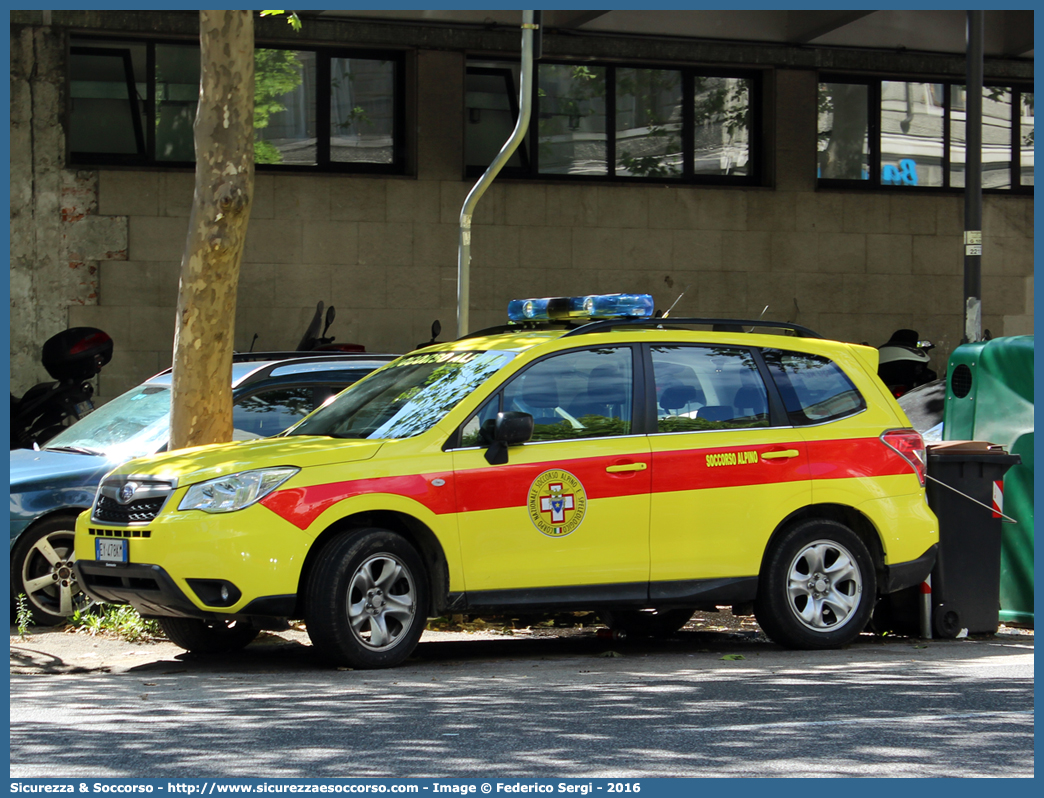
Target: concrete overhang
(1007, 33)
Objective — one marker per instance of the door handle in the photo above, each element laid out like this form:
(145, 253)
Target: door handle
(616, 469)
(786, 453)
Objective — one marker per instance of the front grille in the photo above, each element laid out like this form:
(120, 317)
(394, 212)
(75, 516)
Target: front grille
(109, 511)
(120, 533)
(130, 500)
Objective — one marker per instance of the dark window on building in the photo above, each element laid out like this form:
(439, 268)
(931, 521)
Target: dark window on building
(1024, 138)
(607, 121)
(491, 98)
(108, 96)
(912, 134)
(315, 109)
(177, 95)
(844, 131)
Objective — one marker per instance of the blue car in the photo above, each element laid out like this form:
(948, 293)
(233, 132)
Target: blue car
(53, 485)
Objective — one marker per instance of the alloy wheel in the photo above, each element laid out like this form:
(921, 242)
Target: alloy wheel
(381, 601)
(824, 585)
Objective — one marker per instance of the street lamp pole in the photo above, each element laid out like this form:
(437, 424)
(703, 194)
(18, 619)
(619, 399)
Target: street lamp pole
(973, 183)
(525, 106)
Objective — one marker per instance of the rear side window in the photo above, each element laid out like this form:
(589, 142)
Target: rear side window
(814, 389)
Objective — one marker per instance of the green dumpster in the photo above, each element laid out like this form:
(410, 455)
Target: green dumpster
(989, 397)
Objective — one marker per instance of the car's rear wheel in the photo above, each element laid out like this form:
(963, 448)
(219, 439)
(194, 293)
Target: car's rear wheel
(208, 637)
(647, 623)
(367, 599)
(817, 587)
(41, 568)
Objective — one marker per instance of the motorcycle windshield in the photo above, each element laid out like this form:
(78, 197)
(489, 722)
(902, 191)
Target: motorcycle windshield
(405, 398)
(132, 425)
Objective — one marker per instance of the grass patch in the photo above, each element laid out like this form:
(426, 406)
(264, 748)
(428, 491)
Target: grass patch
(119, 620)
(23, 615)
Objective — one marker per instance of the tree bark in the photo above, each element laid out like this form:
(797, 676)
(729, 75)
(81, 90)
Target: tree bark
(201, 396)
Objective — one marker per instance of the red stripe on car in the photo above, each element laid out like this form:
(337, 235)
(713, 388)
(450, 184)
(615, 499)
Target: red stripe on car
(301, 506)
(502, 487)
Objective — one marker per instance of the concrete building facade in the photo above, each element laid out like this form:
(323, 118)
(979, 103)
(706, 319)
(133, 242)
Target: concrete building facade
(100, 245)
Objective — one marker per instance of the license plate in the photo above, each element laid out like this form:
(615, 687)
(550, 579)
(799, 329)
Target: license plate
(110, 550)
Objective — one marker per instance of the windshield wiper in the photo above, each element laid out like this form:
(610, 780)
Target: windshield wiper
(74, 450)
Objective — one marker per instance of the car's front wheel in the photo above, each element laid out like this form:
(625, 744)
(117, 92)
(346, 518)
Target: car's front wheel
(208, 637)
(817, 587)
(367, 599)
(42, 569)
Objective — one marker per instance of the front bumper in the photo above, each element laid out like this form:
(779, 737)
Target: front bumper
(152, 592)
(253, 551)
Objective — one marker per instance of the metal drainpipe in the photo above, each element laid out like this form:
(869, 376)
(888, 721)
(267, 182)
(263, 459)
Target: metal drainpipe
(525, 107)
(973, 184)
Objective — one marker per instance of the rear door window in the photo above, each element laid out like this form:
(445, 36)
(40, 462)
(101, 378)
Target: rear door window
(814, 389)
(707, 388)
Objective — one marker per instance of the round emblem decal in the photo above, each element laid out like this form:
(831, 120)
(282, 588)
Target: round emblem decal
(557, 503)
(127, 492)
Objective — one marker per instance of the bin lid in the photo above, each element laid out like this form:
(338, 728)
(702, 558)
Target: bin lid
(965, 447)
(972, 452)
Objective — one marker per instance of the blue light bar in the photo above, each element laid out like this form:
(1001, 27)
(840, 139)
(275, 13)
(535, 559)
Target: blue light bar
(593, 306)
(617, 306)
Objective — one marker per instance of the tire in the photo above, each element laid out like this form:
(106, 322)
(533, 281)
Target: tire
(817, 587)
(366, 601)
(946, 622)
(647, 623)
(208, 637)
(41, 568)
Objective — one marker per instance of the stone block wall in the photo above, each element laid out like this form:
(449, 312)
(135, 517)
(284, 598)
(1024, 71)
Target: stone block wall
(383, 251)
(58, 236)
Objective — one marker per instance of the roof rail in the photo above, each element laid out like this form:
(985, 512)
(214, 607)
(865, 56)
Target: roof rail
(246, 357)
(730, 325)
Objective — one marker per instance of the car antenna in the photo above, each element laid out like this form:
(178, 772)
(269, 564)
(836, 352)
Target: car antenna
(764, 310)
(667, 312)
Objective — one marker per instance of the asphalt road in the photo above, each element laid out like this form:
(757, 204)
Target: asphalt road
(577, 706)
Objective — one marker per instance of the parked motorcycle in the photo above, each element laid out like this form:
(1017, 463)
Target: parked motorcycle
(313, 341)
(71, 357)
(904, 362)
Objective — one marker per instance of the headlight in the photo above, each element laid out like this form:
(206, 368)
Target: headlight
(236, 491)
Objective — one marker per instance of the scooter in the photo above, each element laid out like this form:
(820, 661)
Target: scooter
(71, 357)
(904, 362)
(313, 341)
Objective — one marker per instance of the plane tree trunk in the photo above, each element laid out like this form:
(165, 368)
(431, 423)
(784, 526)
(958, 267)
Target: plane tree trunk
(201, 400)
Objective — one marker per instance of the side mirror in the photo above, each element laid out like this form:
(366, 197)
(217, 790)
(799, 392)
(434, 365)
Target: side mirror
(512, 428)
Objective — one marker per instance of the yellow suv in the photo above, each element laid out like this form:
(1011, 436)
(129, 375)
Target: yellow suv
(585, 456)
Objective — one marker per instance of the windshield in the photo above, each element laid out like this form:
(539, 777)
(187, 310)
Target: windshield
(406, 398)
(132, 425)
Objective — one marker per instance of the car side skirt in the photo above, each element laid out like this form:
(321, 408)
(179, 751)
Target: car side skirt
(637, 595)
